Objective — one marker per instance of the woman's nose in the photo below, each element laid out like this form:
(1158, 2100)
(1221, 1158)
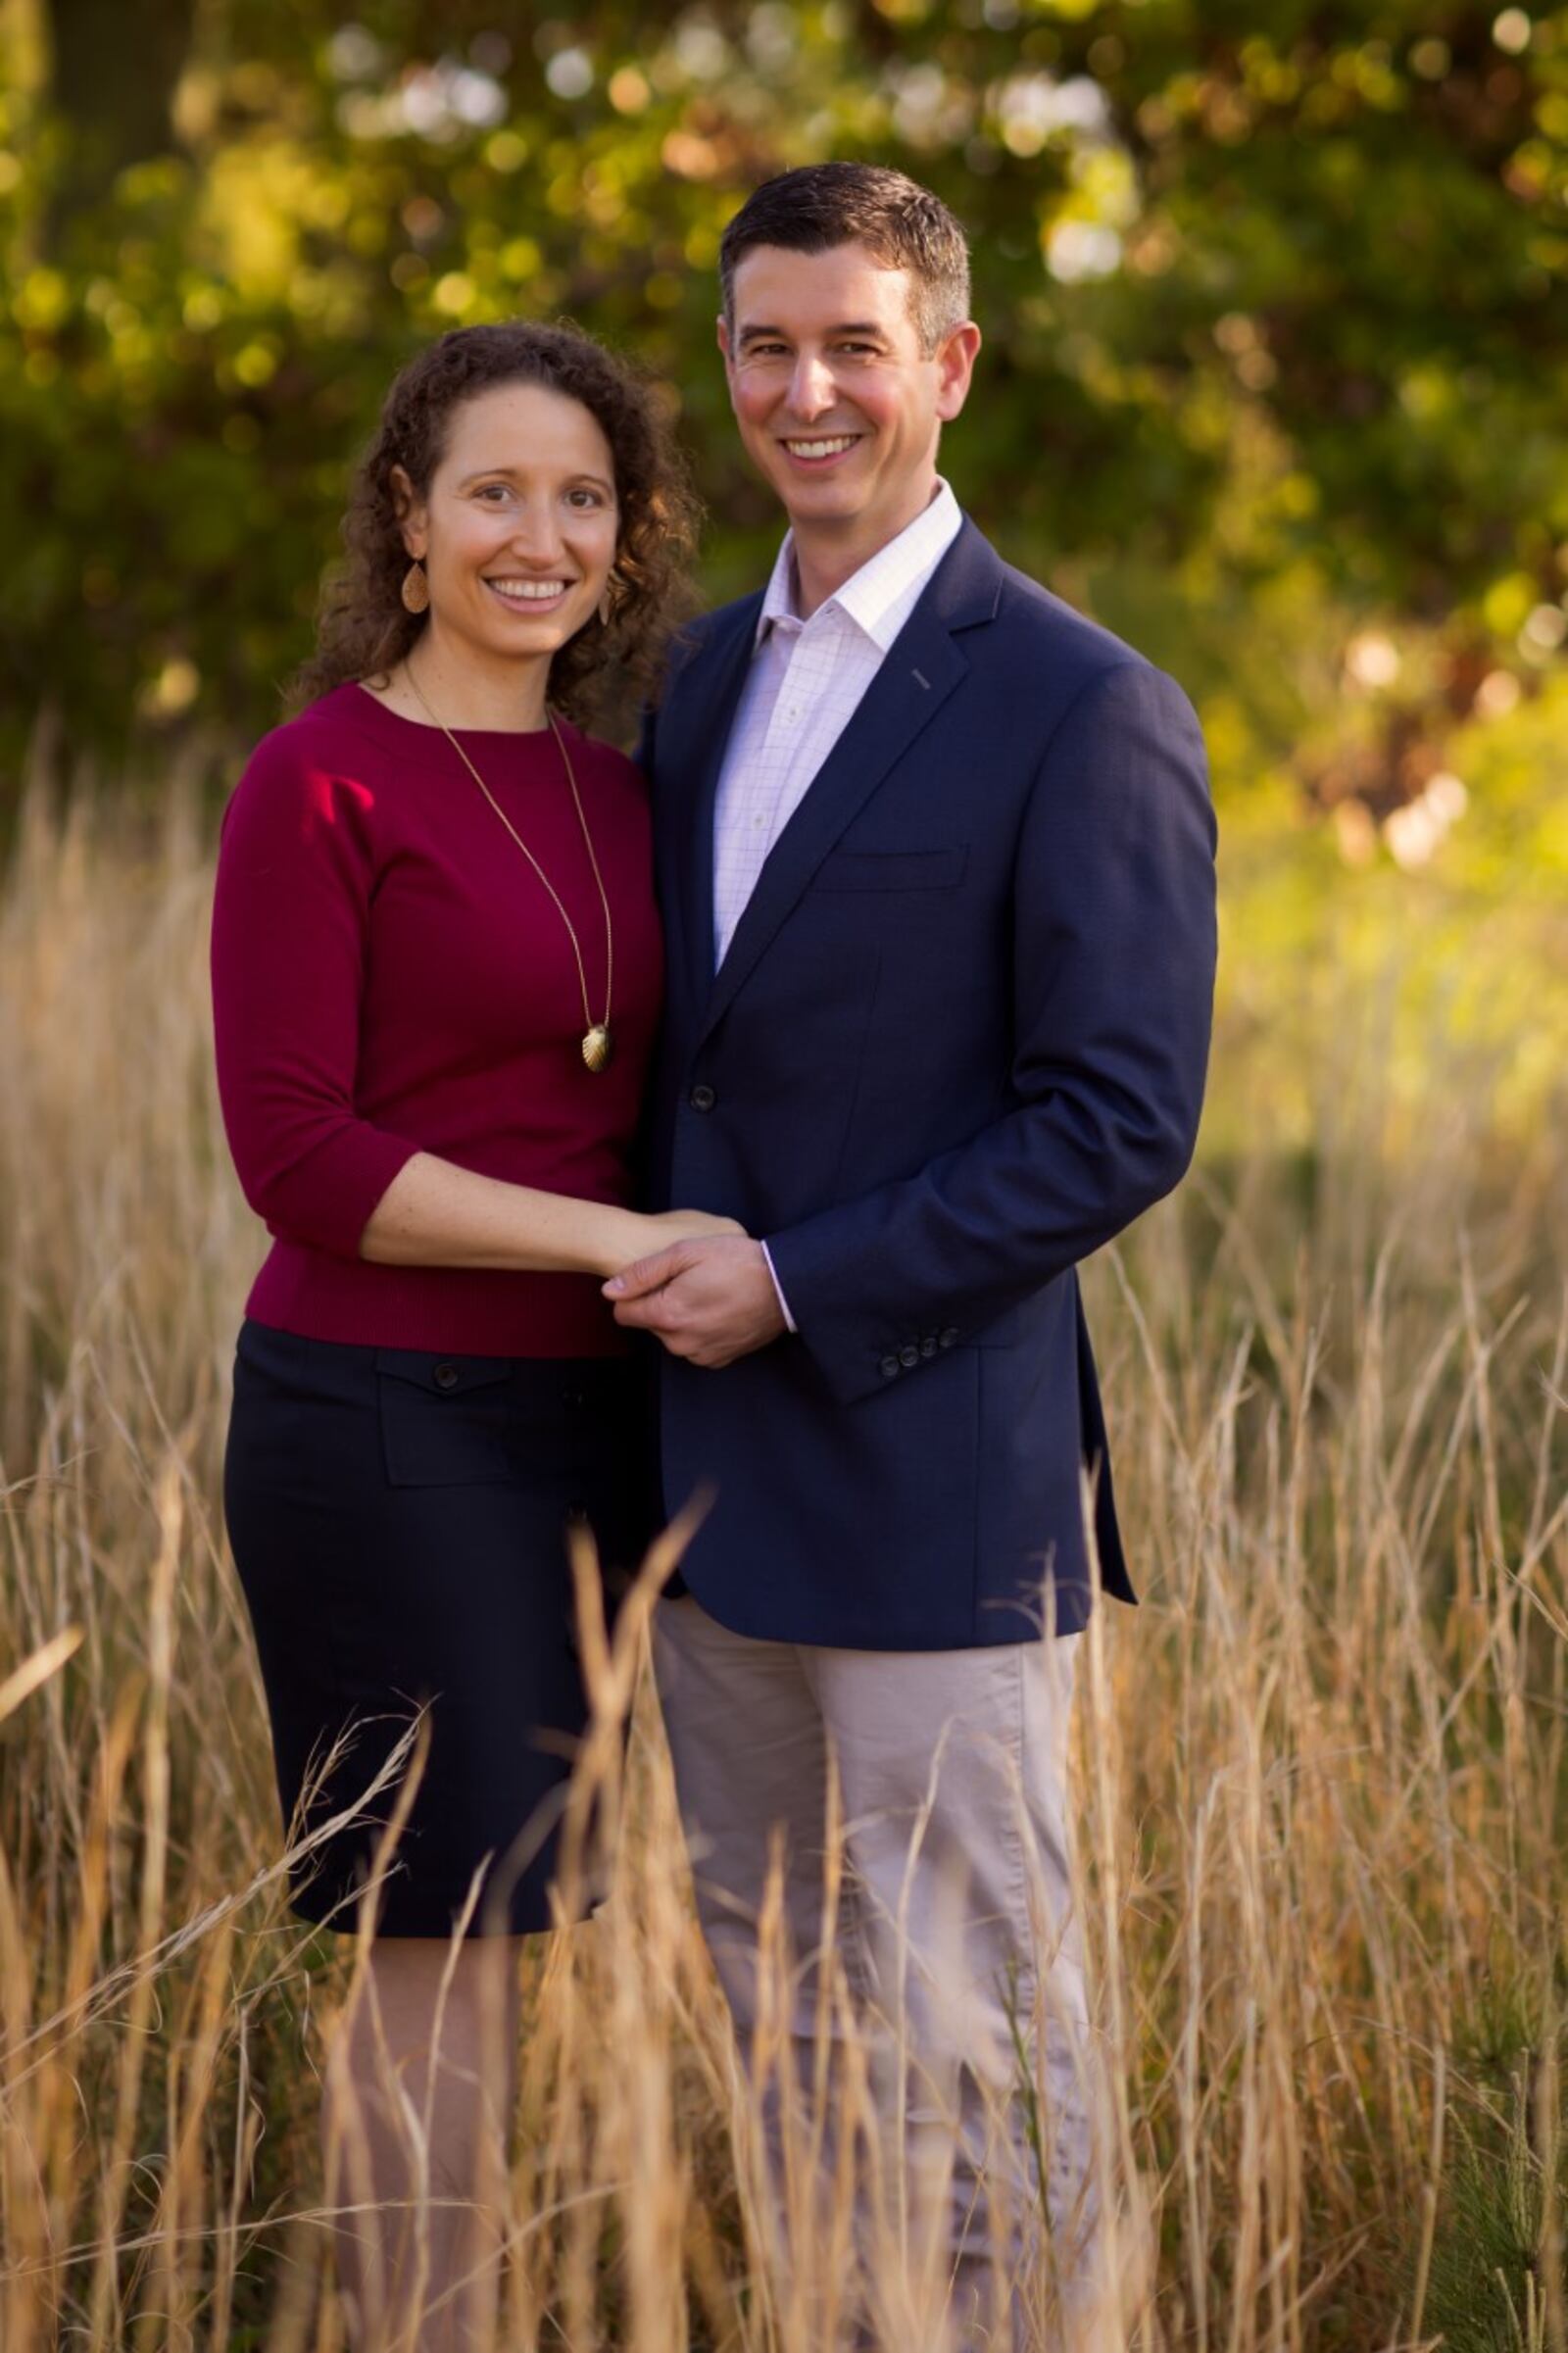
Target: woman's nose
(535, 532)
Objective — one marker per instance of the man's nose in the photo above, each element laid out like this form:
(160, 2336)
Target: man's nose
(812, 387)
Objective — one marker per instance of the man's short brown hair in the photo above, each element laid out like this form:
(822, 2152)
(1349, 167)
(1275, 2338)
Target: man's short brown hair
(900, 225)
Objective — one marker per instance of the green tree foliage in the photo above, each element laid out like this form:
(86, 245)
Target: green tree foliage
(1274, 302)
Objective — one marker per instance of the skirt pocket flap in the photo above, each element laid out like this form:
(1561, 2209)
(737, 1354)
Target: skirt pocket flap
(444, 1376)
(446, 1421)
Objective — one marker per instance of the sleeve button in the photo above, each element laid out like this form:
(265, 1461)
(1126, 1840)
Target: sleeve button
(890, 1368)
(946, 1339)
(908, 1355)
(929, 1346)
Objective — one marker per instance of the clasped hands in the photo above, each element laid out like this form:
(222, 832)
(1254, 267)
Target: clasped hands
(707, 1293)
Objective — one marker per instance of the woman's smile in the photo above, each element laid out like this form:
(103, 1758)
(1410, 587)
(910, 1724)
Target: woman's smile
(526, 596)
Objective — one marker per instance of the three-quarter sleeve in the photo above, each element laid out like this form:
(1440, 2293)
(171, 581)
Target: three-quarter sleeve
(295, 876)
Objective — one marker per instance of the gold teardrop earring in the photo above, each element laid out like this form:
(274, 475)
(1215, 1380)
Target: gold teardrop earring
(416, 588)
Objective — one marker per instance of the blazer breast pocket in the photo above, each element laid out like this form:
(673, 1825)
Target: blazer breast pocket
(893, 869)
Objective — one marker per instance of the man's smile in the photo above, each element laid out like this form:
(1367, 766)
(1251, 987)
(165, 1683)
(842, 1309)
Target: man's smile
(820, 448)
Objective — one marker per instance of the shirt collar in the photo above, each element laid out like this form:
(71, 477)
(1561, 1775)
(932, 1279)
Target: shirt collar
(880, 596)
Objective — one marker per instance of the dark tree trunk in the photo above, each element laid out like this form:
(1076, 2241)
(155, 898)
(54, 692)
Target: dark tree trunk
(116, 65)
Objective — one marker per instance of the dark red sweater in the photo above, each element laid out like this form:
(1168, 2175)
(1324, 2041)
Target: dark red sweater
(389, 977)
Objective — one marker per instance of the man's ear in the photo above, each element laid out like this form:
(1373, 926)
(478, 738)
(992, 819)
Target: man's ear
(722, 336)
(411, 513)
(955, 356)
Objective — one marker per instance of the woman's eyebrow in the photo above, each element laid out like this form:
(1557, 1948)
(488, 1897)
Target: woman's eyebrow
(488, 473)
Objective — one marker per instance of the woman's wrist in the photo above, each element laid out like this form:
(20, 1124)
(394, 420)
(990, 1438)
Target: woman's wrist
(617, 1236)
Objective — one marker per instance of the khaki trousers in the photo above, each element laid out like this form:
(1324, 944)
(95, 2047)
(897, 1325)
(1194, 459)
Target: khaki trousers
(961, 1975)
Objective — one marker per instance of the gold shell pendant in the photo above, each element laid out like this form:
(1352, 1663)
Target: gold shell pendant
(597, 1046)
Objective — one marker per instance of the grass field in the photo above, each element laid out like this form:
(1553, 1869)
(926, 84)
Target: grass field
(1323, 1795)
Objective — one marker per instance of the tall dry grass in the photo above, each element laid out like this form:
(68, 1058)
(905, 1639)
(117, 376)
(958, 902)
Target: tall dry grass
(1322, 1772)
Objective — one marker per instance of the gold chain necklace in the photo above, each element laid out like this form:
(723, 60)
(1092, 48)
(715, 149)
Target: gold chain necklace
(597, 1044)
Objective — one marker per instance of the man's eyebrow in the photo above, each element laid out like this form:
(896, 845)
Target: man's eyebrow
(851, 326)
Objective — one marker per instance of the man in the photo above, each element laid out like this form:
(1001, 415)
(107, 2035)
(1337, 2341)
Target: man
(936, 870)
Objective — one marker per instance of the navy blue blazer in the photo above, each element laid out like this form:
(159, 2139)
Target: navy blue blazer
(958, 1041)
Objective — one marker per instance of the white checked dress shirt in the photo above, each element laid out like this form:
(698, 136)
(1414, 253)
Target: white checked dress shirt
(806, 683)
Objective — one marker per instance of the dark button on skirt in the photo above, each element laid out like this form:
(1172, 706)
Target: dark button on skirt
(399, 1521)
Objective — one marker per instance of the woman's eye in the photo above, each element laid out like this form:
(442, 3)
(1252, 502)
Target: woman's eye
(584, 498)
(492, 492)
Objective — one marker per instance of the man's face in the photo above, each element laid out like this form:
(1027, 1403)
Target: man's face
(838, 404)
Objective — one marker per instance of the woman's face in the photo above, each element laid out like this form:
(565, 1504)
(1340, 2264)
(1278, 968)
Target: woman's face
(518, 529)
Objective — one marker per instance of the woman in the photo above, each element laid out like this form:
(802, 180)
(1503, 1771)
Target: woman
(437, 972)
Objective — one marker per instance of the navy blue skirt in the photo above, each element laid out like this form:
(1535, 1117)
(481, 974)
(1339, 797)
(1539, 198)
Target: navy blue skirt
(400, 1523)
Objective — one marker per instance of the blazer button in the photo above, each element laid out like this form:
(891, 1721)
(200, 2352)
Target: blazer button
(446, 1376)
(890, 1368)
(946, 1339)
(908, 1356)
(701, 1097)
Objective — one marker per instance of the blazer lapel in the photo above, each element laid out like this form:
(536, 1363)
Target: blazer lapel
(726, 662)
(921, 670)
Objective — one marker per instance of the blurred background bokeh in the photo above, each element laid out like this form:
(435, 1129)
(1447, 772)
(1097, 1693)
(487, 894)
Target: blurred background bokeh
(1275, 382)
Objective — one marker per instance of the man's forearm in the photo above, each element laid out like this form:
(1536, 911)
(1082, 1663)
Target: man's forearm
(946, 1251)
(1114, 972)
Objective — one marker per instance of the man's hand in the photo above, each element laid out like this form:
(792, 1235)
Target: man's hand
(709, 1300)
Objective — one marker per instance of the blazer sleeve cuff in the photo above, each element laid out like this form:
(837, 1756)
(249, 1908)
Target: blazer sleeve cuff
(854, 1357)
(790, 1324)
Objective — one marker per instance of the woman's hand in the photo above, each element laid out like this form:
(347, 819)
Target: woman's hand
(681, 1225)
(622, 1237)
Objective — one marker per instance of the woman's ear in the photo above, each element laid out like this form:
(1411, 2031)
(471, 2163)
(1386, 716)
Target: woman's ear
(411, 516)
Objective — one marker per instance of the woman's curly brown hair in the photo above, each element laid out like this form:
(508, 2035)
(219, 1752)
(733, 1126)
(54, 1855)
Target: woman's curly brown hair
(363, 629)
